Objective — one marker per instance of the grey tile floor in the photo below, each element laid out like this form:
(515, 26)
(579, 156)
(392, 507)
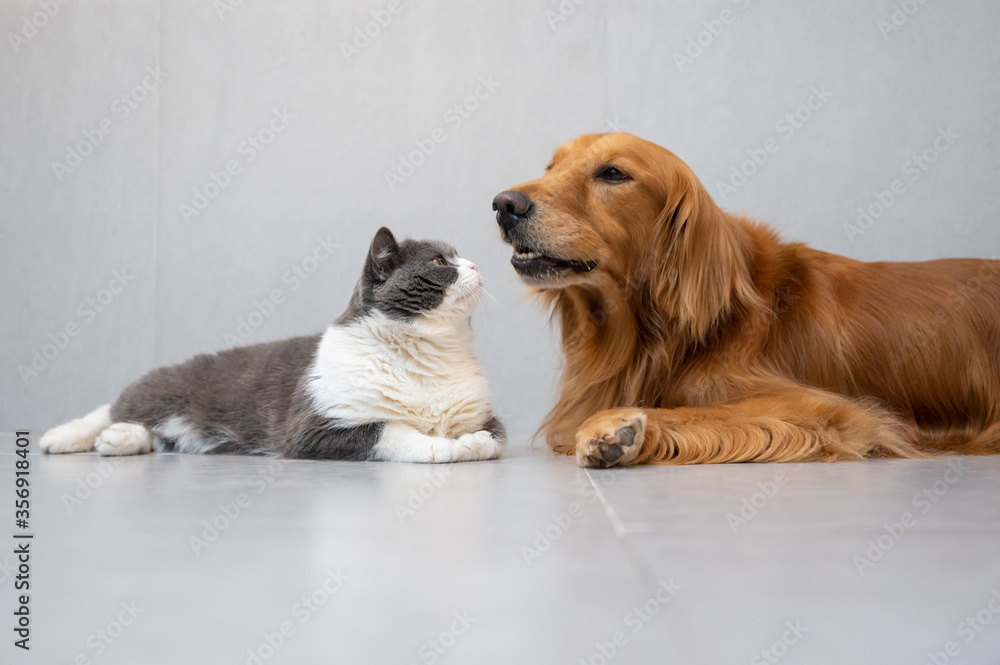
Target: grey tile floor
(529, 559)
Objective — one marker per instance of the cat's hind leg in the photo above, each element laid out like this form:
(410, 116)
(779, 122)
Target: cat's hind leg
(125, 439)
(77, 436)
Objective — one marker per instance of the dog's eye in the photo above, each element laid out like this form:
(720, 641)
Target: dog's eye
(439, 261)
(612, 174)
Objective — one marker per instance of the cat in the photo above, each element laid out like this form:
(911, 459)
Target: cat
(393, 379)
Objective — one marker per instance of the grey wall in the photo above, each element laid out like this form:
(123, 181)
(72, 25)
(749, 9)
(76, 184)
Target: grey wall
(607, 65)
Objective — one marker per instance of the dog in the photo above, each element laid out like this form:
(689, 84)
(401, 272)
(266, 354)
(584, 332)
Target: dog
(695, 336)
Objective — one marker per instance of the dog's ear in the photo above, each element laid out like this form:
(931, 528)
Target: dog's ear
(704, 272)
(383, 255)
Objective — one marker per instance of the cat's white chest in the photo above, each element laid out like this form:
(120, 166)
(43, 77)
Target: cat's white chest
(365, 373)
(445, 405)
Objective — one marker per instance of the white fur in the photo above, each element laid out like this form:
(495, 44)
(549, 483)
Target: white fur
(124, 439)
(187, 437)
(402, 443)
(77, 436)
(419, 376)
(377, 369)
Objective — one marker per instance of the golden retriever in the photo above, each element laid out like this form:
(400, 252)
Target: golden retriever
(694, 336)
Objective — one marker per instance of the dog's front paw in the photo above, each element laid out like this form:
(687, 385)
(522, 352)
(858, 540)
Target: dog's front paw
(611, 438)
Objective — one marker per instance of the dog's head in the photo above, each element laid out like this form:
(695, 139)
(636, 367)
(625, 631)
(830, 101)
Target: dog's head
(631, 220)
(603, 199)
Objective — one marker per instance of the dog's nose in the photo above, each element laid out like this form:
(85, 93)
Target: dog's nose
(511, 208)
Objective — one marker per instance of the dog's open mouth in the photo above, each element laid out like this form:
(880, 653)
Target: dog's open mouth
(529, 262)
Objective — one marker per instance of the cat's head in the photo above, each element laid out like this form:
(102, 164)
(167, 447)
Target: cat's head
(421, 280)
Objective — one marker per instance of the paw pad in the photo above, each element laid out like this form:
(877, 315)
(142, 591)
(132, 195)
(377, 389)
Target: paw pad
(617, 445)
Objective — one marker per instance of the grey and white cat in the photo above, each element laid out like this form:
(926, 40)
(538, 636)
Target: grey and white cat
(393, 379)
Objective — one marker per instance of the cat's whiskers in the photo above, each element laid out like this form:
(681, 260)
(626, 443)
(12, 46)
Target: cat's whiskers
(484, 291)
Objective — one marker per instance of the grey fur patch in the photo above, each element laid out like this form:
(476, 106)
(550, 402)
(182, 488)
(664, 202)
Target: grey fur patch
(240, 400)
(496, 429)
(401, 279)
(318, 438)
(248, 401)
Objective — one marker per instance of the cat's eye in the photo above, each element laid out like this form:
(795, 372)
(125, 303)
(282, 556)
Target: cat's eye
(439, 261)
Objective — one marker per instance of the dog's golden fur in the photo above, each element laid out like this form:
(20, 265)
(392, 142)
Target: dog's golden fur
(699, 336)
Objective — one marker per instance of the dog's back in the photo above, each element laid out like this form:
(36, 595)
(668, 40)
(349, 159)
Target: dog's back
(923, 338)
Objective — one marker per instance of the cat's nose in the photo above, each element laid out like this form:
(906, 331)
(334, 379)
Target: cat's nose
(472, 266)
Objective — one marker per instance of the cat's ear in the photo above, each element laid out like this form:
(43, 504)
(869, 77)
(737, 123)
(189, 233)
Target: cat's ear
(384, 254)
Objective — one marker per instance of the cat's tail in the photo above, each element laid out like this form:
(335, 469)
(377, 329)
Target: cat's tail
(77, 436)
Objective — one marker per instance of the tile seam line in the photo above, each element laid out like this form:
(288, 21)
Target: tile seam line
(681, 638)
(645, 568)
(616, 523)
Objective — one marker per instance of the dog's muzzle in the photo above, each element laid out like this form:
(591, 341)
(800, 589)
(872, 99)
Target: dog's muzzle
(512, 208)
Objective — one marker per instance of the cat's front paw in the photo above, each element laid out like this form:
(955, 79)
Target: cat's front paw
(125, 439)
(479, 445)
(73, 437)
